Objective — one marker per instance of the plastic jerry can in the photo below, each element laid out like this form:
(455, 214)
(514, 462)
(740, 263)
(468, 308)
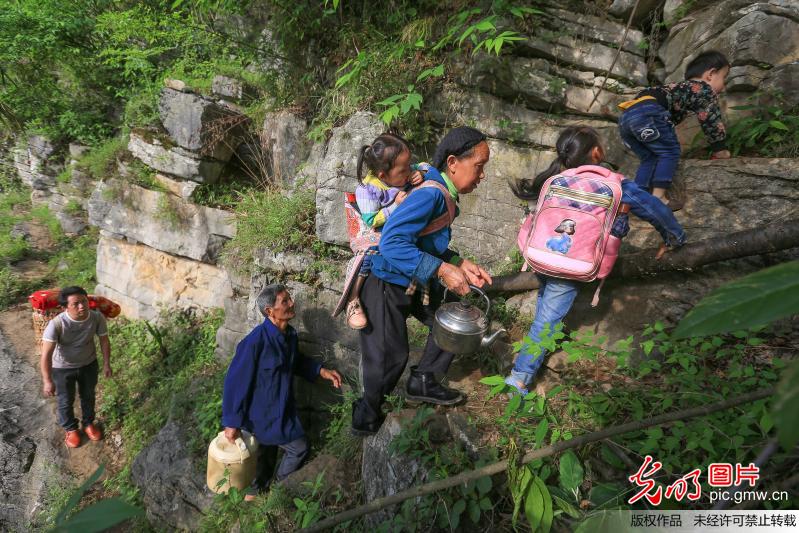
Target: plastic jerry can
(231, 464)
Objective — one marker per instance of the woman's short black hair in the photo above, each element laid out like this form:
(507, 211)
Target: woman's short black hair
(710, 60)
(66, 292)
(458, 142)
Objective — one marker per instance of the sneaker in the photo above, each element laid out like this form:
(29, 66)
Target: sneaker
(520, 387)
(356, 318)
(72, 438)
(93, 432)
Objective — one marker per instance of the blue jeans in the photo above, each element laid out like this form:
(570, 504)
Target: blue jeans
(555, 298)
(647, 130)
(648, 208)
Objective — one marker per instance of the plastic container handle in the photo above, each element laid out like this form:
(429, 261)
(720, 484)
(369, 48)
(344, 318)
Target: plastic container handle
(479, 291)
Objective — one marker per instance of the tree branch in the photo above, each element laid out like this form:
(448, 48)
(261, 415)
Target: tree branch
(772, 238)
(546, 451)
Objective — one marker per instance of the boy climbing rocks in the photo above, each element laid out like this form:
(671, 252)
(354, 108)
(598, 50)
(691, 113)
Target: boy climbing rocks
(647, 122)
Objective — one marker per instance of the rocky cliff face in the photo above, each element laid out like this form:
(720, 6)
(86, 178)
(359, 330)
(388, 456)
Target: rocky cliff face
(159, 248)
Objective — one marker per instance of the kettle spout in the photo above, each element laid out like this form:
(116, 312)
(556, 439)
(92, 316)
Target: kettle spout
(491, 339)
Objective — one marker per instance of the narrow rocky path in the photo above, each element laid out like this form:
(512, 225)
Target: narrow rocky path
(32, 454)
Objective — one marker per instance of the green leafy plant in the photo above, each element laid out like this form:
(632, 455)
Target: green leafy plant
(272, 219)
(98, 516)
(769, 131)
(750, 301)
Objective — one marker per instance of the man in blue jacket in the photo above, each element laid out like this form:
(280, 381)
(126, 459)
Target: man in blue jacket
(259, 390)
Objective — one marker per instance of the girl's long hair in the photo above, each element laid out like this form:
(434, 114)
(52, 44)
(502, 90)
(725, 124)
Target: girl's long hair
(381, 154)
(573, 150)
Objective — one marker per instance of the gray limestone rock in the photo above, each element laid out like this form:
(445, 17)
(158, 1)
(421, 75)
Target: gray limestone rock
(142, 279)
(171, 485)
(723, 196)
(762, 33)
(646, 10)
(603, 29)
(585, 55)
(232, 89)
(160, 220)
(286, 136)
(37, 162)
(183, 189)
(783, 80)
(173, 160)
(385, 473)
(334, 168)
(200, 125)
(517, 124)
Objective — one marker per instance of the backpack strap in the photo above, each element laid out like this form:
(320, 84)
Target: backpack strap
(447, 217)
(59, 327)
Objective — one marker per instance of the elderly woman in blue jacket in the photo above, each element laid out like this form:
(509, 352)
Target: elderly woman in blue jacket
(408, 277)
(259, 389)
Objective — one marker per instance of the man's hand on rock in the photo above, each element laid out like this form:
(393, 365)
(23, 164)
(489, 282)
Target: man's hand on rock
(332, 376)
(231, 434)
(721, 154)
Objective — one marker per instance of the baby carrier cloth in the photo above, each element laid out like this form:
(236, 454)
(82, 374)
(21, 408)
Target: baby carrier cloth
(363, 238)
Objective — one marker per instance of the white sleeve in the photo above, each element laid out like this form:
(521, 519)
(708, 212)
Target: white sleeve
(51, 332)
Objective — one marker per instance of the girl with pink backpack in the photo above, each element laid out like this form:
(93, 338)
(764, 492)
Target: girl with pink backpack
(575, 233)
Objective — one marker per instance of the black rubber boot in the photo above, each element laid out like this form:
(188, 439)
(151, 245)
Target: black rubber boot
(423, 387)
(361, 429)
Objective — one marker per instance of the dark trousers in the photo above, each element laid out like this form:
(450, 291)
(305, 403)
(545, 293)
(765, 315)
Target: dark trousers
(294, 454)
(65, 380)
(384, 342)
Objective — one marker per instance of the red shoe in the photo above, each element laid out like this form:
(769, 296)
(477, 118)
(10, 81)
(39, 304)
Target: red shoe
(93, 432)
(72, 439)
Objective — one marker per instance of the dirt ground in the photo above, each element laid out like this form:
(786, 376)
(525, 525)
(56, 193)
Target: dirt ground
(37, 420)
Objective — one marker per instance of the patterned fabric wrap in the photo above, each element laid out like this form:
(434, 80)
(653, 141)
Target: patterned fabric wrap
(364, 239)
(577, 184)
(361, 236)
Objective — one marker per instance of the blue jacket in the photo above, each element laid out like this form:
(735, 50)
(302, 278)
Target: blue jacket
(259, 385)
(404, 256)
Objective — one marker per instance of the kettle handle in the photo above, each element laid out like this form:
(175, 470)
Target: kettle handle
(479, 291)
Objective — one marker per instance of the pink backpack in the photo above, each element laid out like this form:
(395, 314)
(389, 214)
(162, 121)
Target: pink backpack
(568, 235)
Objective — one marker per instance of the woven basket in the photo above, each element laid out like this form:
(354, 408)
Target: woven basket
(40, 321)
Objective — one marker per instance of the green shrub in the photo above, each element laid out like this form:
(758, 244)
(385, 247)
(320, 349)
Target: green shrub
(770, 131)
(75, 261)
(272, 219)
(100, 162)
(180, 352)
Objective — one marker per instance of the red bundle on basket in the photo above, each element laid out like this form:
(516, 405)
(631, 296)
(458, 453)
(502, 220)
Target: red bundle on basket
(104, 305)
(47, 300)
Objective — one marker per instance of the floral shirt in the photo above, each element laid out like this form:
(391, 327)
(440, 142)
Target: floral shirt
(695, 96)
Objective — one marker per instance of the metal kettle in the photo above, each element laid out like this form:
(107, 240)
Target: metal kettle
(462, 328)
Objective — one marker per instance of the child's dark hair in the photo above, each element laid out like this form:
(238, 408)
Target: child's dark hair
(710, 60)
(66, 292)
(574, 149)
(381, 154)
(459, 142)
